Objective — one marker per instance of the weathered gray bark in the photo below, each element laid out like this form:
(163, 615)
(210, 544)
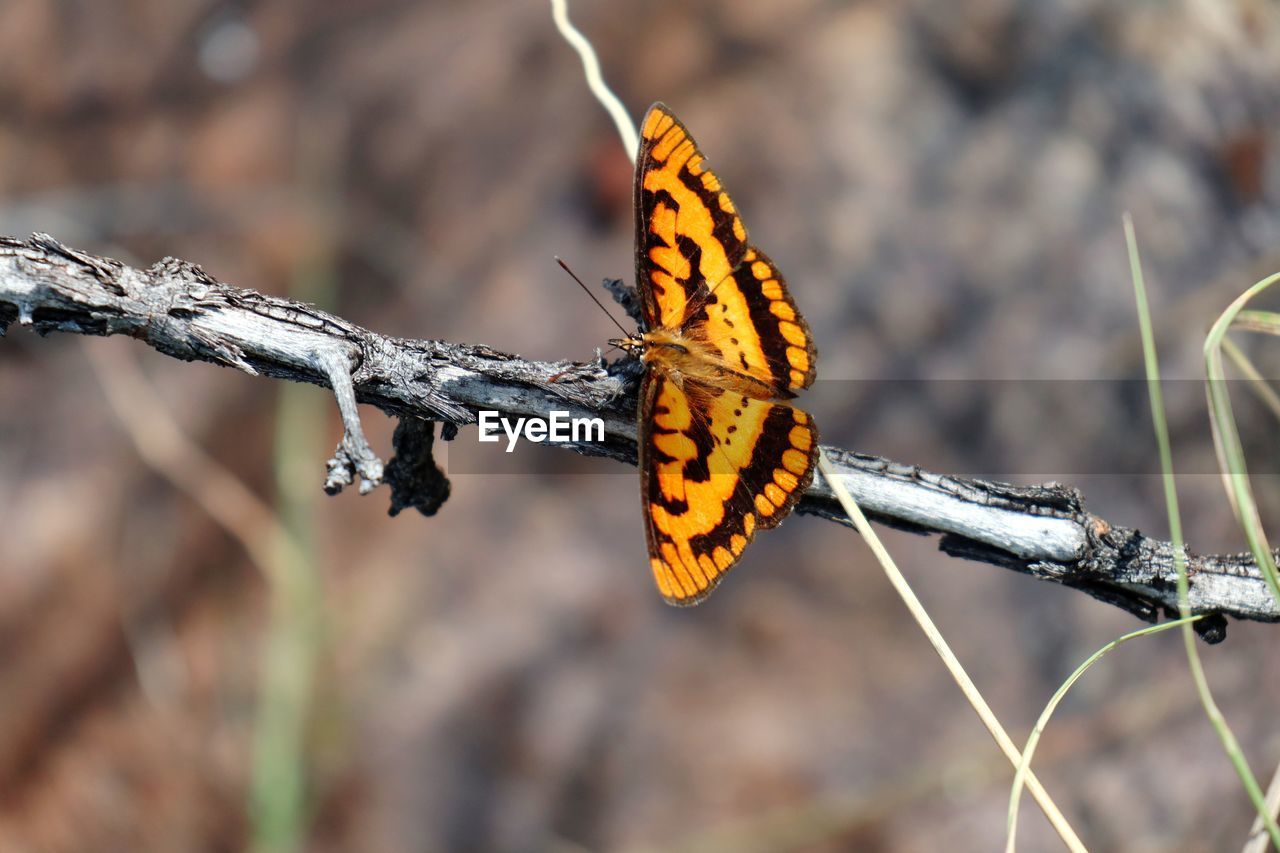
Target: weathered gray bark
(180, 310)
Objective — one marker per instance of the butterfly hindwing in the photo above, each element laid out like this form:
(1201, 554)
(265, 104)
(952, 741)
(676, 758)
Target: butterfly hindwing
(752, 320)
(688, 233)
(715, 467)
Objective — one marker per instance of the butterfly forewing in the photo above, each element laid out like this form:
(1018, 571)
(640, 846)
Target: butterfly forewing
(687, 230)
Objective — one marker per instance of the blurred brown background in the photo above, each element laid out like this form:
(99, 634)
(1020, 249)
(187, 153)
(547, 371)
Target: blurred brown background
(942, 184)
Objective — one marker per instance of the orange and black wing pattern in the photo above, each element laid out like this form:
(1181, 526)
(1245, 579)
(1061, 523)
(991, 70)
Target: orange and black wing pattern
(697, 272)
(752, 320)
(688, 233)
(715, 467)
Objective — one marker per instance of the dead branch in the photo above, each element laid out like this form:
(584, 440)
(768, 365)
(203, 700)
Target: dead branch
(180, 310)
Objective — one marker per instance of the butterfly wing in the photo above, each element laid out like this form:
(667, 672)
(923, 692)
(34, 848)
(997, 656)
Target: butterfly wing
(697, 272)
(715, 467)
(754, 323)
(687, 230)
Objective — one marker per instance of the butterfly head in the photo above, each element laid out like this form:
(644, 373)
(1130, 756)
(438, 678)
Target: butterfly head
(660, 344)
(632, 345)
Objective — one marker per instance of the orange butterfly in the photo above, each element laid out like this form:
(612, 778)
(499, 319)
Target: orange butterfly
(720, 455)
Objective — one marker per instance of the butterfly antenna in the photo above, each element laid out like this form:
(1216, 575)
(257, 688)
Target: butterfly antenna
(587, 290)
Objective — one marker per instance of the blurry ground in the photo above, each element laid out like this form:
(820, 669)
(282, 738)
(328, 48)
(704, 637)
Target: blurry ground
(942, 184)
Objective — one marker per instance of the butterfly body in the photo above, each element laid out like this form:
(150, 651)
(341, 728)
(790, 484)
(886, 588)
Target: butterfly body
(721, 453)
(680, 357)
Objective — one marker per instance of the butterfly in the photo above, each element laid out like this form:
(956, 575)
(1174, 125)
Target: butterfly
(721, 453)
